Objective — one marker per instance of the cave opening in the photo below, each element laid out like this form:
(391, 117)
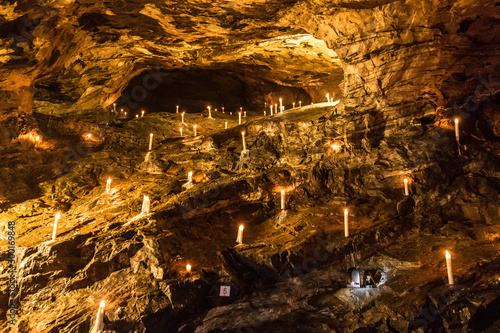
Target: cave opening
(195, 89)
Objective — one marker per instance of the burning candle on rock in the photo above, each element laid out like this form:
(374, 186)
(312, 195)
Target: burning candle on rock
(281, 103)
(346, 222)
(180, 129)
(177, 109)
(188, 268)
(194, 129)
(56, 219)
(244, 143)
(108, 185)
(282, 200)
(293, 105)
(457, 133)
(182, 117)
(151, 141)
(190, 176)
(407, 192)
(300, 104)
(239, 239)
(239, 118)
(99, 320)
(225, 125)
(449, 268)
(271, 110)
(142, 113)
(209, 112)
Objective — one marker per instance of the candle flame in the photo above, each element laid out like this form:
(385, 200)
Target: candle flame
(109, 180)
(188, 268)
(102, 304)
(37, 138)
(282, 191)
(58, 215)
(456, 120)
(448, 255)
(242, 133)
(89, 136)
(241, 227)
(345, 211)
(406, 180)
(151, 134)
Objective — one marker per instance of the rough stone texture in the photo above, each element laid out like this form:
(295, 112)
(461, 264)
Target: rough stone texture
(408, 67)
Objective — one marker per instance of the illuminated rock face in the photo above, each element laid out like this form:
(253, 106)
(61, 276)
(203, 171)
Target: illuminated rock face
(404, 66)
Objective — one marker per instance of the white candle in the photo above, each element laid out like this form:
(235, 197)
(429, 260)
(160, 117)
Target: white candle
(99, 320)
(276, 108)
(264, 113)
(346, 222)
(182, 115)
(223, 110)
(114, 107)
(293, 104)
(188, 268)
(137, 116)
(239, 239)
(244, 143)
(271, 110)
(300, 104)
(225, 125)
(239, 117)
(190, 176)
(150, 141)
(194, 129)
(282, 200)
(58, 215)
(281, 103)
(177, 109)
(209, 112)
(142, 113)
(145, 205)
(406, 186)
(449, 268)
(457, 133)
(180, 129)
(230, 113)
(328, 97)
(241, 109)
(244, 114)
(108, 185)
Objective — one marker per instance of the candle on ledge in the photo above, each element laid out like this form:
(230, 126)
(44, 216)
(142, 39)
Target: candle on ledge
(209, 112)
(151, 141)
(225, 125)
(145, 205)
(223, 110)
(142, 113)
(58, 216)
(449, 268)
(177, 109)
(241, 109)
(457, 133)
(194, 129)
(276, 108)
(188, 268)
(125, 114)
(346, 222)
(244, 143)
(300, 104)
(406, 187)
(281, 103)
(182, 115)
(239, 117)
(99, 320)
(239, 239)
(114, 107)
(190, 176)
(137, 116)
(244, 114)
(108, 185)
(282, 200)
(293, 104)
(271, 110)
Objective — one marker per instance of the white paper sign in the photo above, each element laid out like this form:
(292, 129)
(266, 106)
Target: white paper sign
(225, 291)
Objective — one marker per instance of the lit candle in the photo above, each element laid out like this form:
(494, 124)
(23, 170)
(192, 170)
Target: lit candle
(223, 110)
(58, 216)
(406, 186)
(182, 116)
(281, 103)
(449, 268)
(209, 112)
(142, 113)
(239, 239)
(244, 143)
(239, 118)
(125, 114)
(108, 185)
(180, 129)
(99, 320)
(244, 114)
(300, 104)
(194, 129)
(89, 136)
(241, 109)
(225, 125)
(137, 116)
(282, 200)
(293, 104)
(328, 97)
(145, 205)
(150, 141)
(190, 176)
(271, 110)
(264, 113)
(177, 109)
(457, 133)
(276, 108)
(346, 222)
(188, 268)
(230, 113)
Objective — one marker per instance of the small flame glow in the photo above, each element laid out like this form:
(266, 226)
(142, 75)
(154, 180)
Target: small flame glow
(448, 255)
(102, 304)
